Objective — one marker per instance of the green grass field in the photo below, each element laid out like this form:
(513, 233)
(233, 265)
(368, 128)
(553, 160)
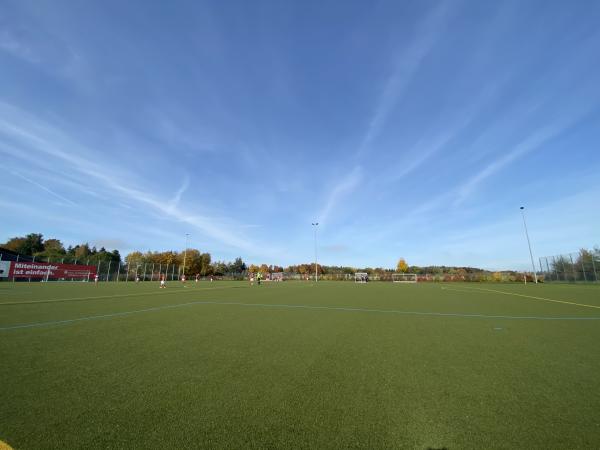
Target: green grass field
(333, 365)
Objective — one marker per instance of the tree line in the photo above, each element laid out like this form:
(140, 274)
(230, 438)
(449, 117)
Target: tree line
(35, 246)
(198, 262)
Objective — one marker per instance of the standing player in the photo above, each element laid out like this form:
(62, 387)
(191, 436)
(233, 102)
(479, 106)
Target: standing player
(96, 279)
(183, 280)
(197, 277)
(162, 282)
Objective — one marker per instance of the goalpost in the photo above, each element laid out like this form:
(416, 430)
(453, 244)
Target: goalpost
(361, 277)
(404, 277)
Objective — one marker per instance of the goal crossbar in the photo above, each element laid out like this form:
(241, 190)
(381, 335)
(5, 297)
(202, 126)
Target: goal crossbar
(361, 277)
(404, 277)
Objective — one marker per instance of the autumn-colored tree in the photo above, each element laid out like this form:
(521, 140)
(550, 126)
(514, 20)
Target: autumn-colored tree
(253, 268)
(402, 266)
(206, 266)
(26, 245)
(193, 261)
(134, 258)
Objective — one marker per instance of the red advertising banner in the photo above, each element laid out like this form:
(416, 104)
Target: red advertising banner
(51, 270)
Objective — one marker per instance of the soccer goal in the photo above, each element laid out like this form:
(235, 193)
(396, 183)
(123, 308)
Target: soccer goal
(361, 277)
(404, 277)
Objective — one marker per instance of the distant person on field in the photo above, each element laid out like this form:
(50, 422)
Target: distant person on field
(96, 279)
(162, 282)
(183, 280)
(137, 278)
(197, 277)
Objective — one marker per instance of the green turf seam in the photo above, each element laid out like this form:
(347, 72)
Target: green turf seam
(101, 297)
(279, 306)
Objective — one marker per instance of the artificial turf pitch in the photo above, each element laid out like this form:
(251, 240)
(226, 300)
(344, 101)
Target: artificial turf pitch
(332, 365)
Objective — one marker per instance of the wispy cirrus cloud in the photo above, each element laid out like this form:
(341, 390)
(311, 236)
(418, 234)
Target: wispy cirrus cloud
(529, 144)
(542, 135)
(17, 47)
(406, 65)
(177, 197)
(51, 143)
(343, 187)
(44, 188)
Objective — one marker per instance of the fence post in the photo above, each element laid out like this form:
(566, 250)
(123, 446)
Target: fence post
(547, 266)
(29, 280)
(564, 271)
(582, 266)
(48, 271)
(573, 267)
(14, 269)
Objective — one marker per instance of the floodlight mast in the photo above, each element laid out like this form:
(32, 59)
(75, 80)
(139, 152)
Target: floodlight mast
(187, 235)
(316, 224)
(528, 244)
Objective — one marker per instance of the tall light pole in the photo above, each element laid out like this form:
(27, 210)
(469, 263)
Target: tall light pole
(316, 224)
(185, 252)
(528, 243)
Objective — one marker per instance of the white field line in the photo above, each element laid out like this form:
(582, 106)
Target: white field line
(137, 294)
(496, 291)
(284, 306)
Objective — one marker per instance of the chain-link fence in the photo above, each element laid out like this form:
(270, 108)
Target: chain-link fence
(583, 266)
(109, 271)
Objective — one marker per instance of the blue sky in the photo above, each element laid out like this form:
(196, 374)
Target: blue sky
(406, 129)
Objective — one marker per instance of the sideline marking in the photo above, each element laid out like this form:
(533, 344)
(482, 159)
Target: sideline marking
(531, 296)
(139, 294)
(280, 306)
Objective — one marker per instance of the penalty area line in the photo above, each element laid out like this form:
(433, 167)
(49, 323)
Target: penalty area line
(284, 306)
(532, 297)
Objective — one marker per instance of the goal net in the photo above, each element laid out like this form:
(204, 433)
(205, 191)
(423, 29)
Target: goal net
(404, 277)
(361, 277)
